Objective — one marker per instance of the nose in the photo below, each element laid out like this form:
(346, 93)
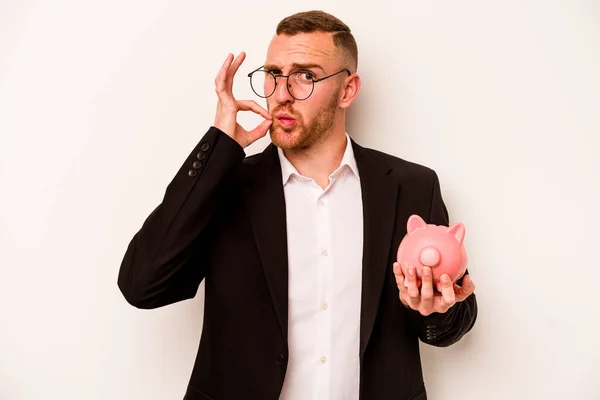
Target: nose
(429, 256)
(282, 95)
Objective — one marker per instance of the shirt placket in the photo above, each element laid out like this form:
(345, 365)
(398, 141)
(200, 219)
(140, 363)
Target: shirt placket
(324, 293)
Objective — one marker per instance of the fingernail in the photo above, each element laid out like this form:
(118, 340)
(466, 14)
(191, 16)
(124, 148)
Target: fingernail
(445, 278)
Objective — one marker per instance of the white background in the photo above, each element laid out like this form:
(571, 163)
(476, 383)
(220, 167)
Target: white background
(101, 101)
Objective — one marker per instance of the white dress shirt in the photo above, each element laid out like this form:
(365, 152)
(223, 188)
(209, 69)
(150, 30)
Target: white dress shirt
(325, 245)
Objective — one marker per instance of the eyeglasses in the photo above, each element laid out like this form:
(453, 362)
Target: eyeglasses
(300, 85)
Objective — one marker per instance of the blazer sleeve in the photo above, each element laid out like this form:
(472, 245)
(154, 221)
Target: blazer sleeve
(163, 261)
(445, 329)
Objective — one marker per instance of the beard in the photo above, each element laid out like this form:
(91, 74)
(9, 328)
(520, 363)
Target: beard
(303, 135)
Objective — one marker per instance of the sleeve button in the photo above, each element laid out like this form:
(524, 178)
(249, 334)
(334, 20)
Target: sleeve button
(201, 156)
(281, 360)
(192, 173)
(205, 147)
(197, 164)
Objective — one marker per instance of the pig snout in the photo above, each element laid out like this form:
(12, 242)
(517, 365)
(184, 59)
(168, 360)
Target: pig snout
(429, 256)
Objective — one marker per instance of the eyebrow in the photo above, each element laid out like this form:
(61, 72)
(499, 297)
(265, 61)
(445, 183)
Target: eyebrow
(269, 67)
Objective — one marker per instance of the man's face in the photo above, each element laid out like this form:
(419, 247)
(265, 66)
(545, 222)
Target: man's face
(298, 124)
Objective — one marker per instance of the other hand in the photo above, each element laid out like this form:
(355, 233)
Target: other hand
(228, 106)
(424, 299)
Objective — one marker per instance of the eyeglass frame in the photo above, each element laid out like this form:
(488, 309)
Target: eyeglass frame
(287, 81)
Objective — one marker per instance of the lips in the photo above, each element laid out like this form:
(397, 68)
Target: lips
(286, 120)
(284, 117)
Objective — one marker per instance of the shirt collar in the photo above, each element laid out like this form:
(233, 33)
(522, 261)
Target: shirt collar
(348, 159)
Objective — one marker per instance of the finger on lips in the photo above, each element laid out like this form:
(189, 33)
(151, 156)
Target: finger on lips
(251, 105)
(261, 129)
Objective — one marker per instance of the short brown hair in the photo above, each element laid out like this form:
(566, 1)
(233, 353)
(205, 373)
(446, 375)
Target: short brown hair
(312, 21)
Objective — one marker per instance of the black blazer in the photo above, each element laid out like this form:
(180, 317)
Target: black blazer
(222, 220)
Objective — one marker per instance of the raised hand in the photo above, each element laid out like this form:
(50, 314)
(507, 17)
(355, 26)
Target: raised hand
(228, 106)
(425, 300)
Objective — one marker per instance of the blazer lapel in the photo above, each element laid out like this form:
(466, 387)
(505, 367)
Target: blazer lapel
(266, 209)
(265, 201)
(379, 194)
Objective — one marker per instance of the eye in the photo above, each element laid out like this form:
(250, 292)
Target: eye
(309, 76)
(274, 71)
(305, 77)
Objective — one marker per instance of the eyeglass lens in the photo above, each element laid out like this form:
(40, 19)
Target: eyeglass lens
(300, 85)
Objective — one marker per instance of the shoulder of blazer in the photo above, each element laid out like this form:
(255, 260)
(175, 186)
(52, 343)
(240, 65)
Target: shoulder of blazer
(257, 168)
(403, 169)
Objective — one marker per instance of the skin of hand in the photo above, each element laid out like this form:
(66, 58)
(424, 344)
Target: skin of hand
(423, 299)
(228, 106)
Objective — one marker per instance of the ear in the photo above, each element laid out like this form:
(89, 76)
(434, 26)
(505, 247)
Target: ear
(349, 90)
(414, 222)
(457, 230)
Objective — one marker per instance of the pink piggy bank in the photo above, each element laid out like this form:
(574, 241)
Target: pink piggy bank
(436, 246)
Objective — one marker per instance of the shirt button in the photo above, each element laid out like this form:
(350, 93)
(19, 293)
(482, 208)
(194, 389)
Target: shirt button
(323, 359)
(324, 252)
(321, 203)
(325, 306)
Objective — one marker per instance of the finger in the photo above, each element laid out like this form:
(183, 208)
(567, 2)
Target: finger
(399, 276)
(404, 269)
(426, 288)
(400, 282)
(260, 131)
(447, 290)
(464, 291)
(251, 105)
(412, 290)
(222, 75)
(233, 70)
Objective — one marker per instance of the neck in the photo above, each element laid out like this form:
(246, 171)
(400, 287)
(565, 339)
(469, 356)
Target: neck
(320, 159)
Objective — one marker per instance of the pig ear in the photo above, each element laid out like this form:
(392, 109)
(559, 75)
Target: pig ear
(414, 222)
(457, 230)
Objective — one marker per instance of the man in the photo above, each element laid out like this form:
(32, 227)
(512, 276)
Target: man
(296, 245)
